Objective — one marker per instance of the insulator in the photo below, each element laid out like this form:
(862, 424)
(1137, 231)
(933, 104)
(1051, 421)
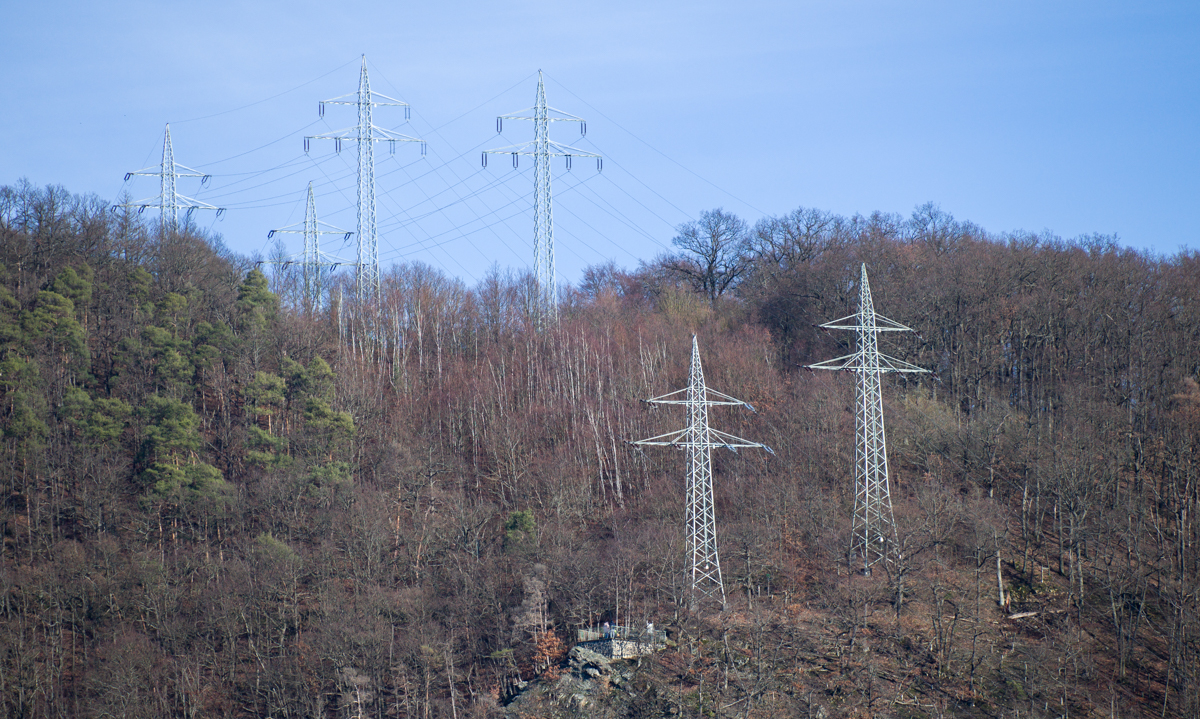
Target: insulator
(568, 163)
(128, 175)
(190, 210)
(583, 128)
(499, 125)
(204, 180)
(407, 112)
(392, 146)
(515, 160)
(345, 238)
(337, 144)
(599, 164)
(270, 234)
(306, 146)
(220, 211)
(424, 147)
(141, 209)
(483, 158)
(321, 109)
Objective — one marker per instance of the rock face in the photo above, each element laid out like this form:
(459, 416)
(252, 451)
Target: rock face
(586, 664)
(593, 686)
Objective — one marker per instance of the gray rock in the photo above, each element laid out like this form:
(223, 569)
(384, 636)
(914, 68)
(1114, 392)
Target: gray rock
(588, 664)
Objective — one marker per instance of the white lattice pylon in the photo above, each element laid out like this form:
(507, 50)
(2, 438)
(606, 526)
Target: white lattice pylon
(698, 440)
(366, 134)
(874, 530)
(169, 201)
(542, 149)
(315, 264)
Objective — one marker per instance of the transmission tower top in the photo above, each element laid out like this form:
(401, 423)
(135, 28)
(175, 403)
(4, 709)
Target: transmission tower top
(698, 440)
(874, 531)
(365, 134)
(542, 149)
(169, 201)
(315, 265)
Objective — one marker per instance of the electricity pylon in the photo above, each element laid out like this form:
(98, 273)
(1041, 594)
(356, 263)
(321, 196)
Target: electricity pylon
(312, 261)
(169, 201)
(874, 525)
(366, 134)
(698, 439)
(542, 149)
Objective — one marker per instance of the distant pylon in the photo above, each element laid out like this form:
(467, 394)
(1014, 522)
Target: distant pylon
(542, 149)
(698, 440)
(366, 134)
(169, 201)
(874, 530)
(312, 261)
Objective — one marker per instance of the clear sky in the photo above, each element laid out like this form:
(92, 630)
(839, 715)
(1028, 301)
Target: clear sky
(1068, 117)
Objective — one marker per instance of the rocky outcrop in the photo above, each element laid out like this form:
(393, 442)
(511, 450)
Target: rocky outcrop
(592, 685)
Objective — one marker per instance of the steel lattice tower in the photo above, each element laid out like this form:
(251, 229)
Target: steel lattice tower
(366, 134)
(874, 525)
(312, 261)
(542, 149)
(169, 201)
(698, 440)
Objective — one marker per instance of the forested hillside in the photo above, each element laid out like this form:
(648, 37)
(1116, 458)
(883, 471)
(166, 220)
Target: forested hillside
(219, 502)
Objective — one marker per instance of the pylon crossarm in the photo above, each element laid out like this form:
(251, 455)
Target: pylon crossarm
(845, 362)
(882, 324)
(666, 398)
(322, 261)
(725, 400)
(898, 365)
(287, 229)
(565, 116)
(195, 204)
(342, 100)
(148, 202)
(717, 439)
(560, 150)
(184, 203)
(512, 150)
(529, 149)
(157, 171)
(378, 134)
(670, 439)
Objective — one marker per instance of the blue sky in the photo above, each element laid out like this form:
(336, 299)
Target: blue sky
(1067, 117)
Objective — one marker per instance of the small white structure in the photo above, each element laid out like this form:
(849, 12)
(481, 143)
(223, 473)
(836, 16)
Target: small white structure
(622, 642)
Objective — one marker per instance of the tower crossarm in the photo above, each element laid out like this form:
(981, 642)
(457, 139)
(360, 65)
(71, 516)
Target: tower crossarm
(182, 202)
(156, 171)
(377, 134)
(322, 229)
(529, 149)
(298, 259)
(558, 116)
(882, 324)
(352, 98)
(858, 363)
(716, 439)
(712, 398)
